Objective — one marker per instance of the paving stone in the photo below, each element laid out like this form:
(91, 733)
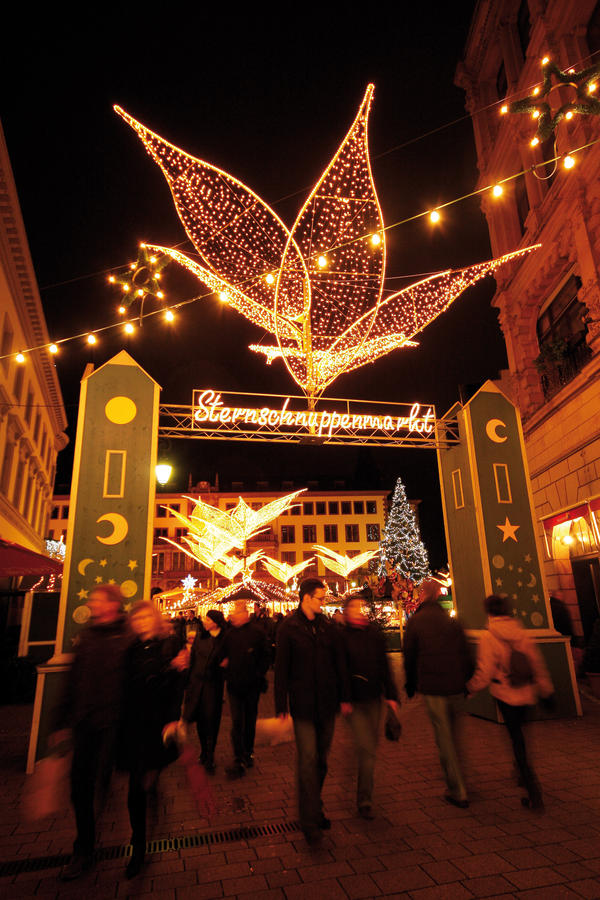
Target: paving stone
(408, 878)
(487, 885)
(483, 864)
(530, 878)
(359, 886)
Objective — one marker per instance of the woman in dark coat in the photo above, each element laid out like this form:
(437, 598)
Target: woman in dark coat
(203, 702)
(153, 694)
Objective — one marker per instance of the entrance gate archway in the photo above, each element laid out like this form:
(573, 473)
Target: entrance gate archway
(488, 511)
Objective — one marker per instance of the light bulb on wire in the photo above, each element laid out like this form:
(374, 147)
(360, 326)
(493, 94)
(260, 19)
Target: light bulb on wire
(53, 348)
(129, 328)
(91, 339)
(20, 357)
(434, 216)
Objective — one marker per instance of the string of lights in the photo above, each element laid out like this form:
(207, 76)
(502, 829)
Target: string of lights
(129, 326)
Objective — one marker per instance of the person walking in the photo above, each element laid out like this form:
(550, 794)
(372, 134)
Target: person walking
(244, 655)
(152, 698)
(515, 681)
(203, 703)
(370, 679)
(438, 665)
(311, 681)
(91, 708)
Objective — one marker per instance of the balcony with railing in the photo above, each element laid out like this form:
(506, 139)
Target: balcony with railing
(560, 367)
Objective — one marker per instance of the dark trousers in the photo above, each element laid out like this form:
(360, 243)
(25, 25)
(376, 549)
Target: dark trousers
(208, 720)
(136, 804)
(93, 757)
(313, 740)
(514, 719)
(364, 722)
(244, 709)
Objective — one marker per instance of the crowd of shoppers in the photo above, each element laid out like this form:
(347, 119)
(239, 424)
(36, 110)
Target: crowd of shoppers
(135, 676)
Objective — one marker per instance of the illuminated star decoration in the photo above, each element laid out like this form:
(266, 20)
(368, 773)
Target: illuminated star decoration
(142, 278)
(509, 532)
(316, 288)
(585, 84)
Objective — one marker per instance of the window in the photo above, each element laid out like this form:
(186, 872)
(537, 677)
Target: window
(523, 26)
(289, 557)
(334, 508)
(229, 506)
(373, 532)
(320, 508)
(19, 382)
(308, 509)
(501, 82)
(160, 512)
(296, 510)
(312, 569)
(174, 506)
(180, 561)
(359, 507)
(288, 534)
(160, 533)
(331, 534)
(256, 505)
(158, 563)
(36, 430)
(29, 407)
(352, 534)
(65, 512)
(561, 332)
(179, 533)
(55, 514)
(7, 339)
(346, 508)
(309, 534)
(457, 489)
(522, 201)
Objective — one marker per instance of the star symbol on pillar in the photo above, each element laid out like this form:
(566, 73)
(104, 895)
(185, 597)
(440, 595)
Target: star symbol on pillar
(535, 598)
(519, 584)
(111, 581)
(514, 596)
(98, 579)
(511, 567)
(103, 562)
(514, 611)
(132, 564)
(509, 532)
(82, 594)
(498, 582)
(520, 569)
(528, 558)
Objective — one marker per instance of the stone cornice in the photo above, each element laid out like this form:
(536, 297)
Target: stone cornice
(16, 261)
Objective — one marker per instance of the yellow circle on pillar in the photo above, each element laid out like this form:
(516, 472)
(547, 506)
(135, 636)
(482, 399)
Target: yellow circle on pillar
(81, 614)
(120, 410)
(128, 588)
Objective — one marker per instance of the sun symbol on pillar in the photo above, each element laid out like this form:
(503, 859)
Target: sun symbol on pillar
(142, 279)
(318, 287)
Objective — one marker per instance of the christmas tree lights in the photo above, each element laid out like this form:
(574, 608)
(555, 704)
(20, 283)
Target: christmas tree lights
(317, 288)
(401, 549)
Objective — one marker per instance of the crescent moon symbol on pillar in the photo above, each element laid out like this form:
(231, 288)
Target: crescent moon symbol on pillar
(491, 429)
(120, 527)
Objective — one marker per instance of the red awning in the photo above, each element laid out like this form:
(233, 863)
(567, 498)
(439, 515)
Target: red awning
(17, 560)
(576, 512)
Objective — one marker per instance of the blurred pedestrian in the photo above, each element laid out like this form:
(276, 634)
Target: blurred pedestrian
(438, 665)
(91, 707)
(311, 676)
(152, 699)
(203, 703)
(245, 657)
(370, 680)
(509, 662)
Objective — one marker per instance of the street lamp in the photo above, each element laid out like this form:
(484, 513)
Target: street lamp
(163, 472)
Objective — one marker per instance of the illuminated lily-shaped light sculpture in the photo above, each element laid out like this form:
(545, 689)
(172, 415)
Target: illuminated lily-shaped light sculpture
(343, 565)
(317, 288)
(232, 566)
(283, 571)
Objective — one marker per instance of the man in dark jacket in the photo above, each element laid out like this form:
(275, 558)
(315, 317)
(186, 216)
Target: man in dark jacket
(311, 674)
(91, 707)
(438, 665)
(370, 679)
(245, 657)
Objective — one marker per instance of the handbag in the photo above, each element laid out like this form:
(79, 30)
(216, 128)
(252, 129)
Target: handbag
(393, 725)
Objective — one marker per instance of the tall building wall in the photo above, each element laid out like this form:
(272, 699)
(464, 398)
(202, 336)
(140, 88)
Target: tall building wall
(548, 303)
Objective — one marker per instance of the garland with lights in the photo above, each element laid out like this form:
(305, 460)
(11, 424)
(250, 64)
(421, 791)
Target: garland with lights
(142, 279)
(585, 84)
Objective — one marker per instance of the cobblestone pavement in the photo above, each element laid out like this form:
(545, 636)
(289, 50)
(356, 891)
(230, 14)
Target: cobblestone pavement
(417, 847)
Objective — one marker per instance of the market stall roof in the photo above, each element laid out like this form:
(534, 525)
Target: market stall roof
(18, 560)
(260, 591)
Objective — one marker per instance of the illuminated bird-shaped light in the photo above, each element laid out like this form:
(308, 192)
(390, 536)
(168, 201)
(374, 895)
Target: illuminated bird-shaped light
(283, 571)
(342, 565)
(324, 303)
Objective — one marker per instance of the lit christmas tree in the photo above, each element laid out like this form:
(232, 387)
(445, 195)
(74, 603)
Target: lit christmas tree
(401, 549)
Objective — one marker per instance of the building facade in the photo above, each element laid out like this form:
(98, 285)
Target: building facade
(349, 522)
(32, 415)
(548, 301)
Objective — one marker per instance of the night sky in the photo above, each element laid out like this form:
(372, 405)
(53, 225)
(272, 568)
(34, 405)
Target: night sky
(266, 95)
